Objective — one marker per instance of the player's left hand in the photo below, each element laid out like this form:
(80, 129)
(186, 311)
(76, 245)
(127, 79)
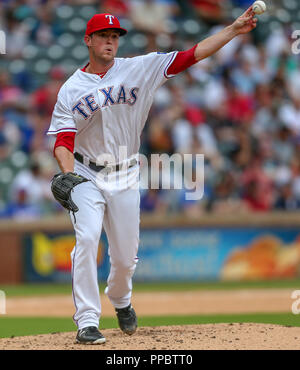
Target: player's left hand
(245, 23)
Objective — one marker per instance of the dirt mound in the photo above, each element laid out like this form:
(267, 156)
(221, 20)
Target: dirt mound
(189, 337)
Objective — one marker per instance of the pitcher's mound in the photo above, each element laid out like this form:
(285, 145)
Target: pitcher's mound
(194, 337)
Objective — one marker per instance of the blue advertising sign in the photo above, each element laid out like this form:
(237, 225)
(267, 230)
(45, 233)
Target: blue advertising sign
(218, 253)
(179, 254)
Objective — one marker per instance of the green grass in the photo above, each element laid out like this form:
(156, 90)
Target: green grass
(46, 289)
(18, 326)
(11, 326)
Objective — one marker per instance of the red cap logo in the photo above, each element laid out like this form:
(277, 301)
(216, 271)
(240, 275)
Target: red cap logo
(102, 22)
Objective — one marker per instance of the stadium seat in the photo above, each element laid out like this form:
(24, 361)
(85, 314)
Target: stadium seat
(127, 24)
(86, 11)
(6, 174)
(77, 25)
(70, 65)
(17, 66)
(283, 16)
(18, 159)
(55, 52)
(42, 66)
(30, 51)
(80, 52)
(290, 4)
(65, 12)
(66, 40)
(139, 40)
(171, 26)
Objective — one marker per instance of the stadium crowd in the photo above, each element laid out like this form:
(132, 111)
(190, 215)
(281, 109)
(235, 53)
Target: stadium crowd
(240, 108)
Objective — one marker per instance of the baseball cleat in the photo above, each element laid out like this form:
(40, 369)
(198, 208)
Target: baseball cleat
(90, 335)
(127, 319)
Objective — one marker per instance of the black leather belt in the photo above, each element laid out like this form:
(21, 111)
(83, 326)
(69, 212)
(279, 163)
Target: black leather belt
(110, 168)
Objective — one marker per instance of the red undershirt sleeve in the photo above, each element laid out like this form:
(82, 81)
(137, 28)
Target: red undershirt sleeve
(66, 139)
(182, 61)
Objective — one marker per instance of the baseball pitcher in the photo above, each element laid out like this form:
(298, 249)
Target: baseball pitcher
(100, 108)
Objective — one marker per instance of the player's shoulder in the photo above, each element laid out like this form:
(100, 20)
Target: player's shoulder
(127, 60)
(140, 58)
(69, 84)
(159, 54)
(73, 79)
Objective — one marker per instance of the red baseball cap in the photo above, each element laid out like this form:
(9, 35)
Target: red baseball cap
(102, 22)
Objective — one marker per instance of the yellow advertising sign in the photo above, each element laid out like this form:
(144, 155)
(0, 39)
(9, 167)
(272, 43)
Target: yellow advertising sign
(53, 254)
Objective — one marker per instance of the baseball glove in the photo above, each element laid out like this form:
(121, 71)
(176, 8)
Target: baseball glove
(61, 186)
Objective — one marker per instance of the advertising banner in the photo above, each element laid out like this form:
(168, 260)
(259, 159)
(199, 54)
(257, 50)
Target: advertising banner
(218, 254)
(179, 254)
(47, 257)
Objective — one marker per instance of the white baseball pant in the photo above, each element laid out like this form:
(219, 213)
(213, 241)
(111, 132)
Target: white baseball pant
(117, 209)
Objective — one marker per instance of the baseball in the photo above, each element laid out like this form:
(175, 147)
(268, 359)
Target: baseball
(259, 7)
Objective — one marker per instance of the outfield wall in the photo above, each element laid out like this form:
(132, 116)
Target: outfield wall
(261, 246)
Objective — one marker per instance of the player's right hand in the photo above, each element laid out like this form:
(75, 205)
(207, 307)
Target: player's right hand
(61, 186)
(245, 23)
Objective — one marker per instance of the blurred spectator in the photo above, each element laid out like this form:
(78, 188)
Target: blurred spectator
(17, 35)
(10, 95)
(44, 99)
(266, 113)
(182, 135)
(20, 209)
(38, 141)
(119, 8)
(4, 145)
(257, 187)
(23, 9)
(209, 10)
(33, 183)
(30, 196)
(277, 43)
(242, 3)
(240, 107)
(151, 16)
(152, 202)
(46, 29)
(294, 83)
(282, 146)
(285, 200)
(290, 114)
(225, 197)
(263, 69)
(244, 78)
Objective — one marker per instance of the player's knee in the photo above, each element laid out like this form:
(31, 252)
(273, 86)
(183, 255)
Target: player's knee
(89, 241)
(124, 266)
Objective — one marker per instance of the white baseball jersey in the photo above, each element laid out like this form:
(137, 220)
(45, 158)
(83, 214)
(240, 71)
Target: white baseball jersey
(110, 112)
